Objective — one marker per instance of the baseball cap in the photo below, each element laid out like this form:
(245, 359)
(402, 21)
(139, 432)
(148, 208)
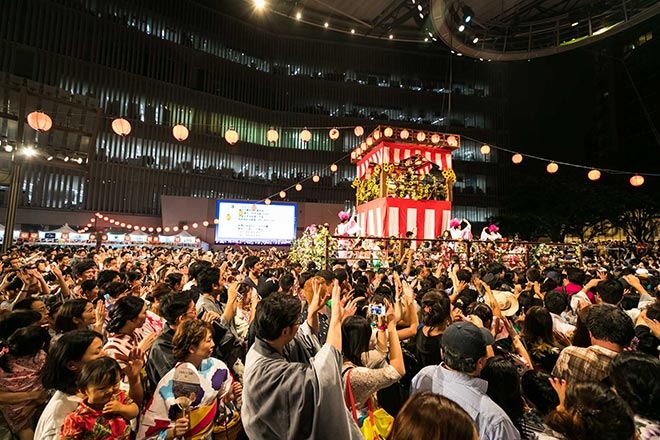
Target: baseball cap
(466, 340)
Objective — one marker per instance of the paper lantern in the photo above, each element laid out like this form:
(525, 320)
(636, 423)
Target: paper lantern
(231, 136)
(106, 218)
(333, 167)
(305, 135)
(435, 138)
(363, 146)
(282, 194)
(195, 225)
(334, 134)
(593, 175)
(39, 121)
(185, 227)
(298, 187)
(166, 229)
(272, 136)
(123, 225)
(370, 141)
(253, 207)
(353, 155)
(517, 158)
(376, 134)
(143, 228)
(316, 178)
(637, 180)
(452, 141)
(485, 149)
(205, 223)
(421, 136)
(404, 134)
(216, 221)
(136, 227)
(358, 131)
(267, 201)
(121, 127)
(552, 168)
(159, 229)
(175, 228)
(388, 132)
(180, 132)
(129, 226)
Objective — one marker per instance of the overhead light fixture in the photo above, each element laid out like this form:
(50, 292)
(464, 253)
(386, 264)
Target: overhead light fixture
(426, 39)
(575, 23)
(259, 4)
(298, 15)
(79, 160)
(421, 16)
(459, 54)
(29, 151)
(430, 34)
(391, 36)
(468, 14)
(66, 158)
(419, 8)
(461, 28)
(50, 157)
(476, 40)
(326, 24)
(8, 148)
(352, 31)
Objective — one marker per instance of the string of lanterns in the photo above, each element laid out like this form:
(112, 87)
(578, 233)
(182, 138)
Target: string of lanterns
(42, 122)
(594, 174)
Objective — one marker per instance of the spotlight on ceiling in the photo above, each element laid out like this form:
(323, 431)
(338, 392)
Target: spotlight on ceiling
(419, 8)
(468, 14)
(29, 151)
(475, 40)
(298, 15)
(259, 4)
(8, 148)
(326, 24)
(461, 28)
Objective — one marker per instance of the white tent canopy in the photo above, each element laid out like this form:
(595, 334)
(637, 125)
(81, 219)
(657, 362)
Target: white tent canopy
(65, 229)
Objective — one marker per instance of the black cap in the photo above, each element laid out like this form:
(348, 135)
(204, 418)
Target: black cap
(466, 340)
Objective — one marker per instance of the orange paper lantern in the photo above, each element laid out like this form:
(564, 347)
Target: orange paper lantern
(637, 180)
(517, 158)
(39, 121)
(552, 168)
(180, 132)
(121, 127)
(593, 175)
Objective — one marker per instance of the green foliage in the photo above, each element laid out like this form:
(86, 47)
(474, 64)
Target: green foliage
(311, 246)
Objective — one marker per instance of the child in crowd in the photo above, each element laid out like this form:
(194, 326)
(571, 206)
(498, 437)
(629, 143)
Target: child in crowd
(21, 358)
(106, 411)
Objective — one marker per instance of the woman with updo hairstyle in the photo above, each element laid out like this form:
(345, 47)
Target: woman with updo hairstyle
(430, 416)
(127, 342)
(540, 340)
(436, 317)
(22, 357)
(591, 410)
(78, 314)
(192, 346)
(636, 378)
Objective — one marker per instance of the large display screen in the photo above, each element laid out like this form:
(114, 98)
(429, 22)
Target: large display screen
(255, 223)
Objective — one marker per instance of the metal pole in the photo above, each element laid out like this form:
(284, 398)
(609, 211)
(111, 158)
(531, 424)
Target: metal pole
(14, 188)
(15, 184)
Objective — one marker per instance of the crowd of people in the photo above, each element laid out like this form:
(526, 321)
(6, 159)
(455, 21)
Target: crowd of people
(159, 343)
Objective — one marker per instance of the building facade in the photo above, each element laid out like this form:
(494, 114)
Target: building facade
(167, 62)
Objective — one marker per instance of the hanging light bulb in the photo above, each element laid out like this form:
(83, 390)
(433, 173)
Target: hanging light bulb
(517, 158)
(358, 131)
(333, 167)
(121, 127)
(272, 136)
(593, 175)
(231, 136)
(552, 168)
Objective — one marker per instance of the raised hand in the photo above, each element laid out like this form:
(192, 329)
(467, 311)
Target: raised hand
(134, 363)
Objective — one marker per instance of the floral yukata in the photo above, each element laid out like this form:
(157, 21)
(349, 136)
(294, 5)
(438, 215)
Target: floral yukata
(91, 424)
(161, 412)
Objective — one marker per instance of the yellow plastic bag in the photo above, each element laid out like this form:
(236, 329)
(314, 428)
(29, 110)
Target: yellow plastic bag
(377, 424)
